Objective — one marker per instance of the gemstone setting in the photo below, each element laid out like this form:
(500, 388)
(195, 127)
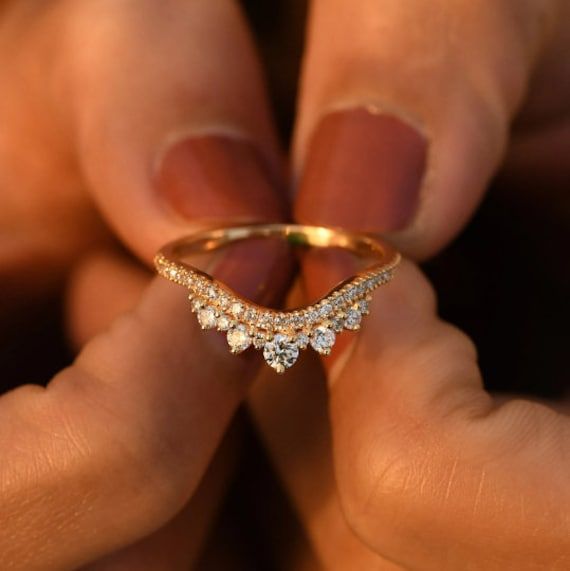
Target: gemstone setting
(279, 335)
(207, 317)
(322, 340)
(281, 353)
(238, 338)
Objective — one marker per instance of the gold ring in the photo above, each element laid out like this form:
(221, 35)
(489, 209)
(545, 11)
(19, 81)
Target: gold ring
(280, 334)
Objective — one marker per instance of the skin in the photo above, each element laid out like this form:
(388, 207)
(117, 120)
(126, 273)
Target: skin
(420, 467)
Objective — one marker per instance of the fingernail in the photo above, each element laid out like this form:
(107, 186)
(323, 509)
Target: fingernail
(259, 270)
(363, 171)
(218, 177)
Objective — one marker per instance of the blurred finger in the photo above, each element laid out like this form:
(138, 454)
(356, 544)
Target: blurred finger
(293, 422)
(127, 432)
(102, 287)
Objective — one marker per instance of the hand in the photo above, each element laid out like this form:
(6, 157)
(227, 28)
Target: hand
(432, 472)
(155, 113)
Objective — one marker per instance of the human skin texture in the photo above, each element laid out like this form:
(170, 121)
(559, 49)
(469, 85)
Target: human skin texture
(137, 122)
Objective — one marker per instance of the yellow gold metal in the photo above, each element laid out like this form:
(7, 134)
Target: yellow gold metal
(279, 333)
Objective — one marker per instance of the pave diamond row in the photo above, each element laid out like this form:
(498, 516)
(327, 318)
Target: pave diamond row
(279, 334)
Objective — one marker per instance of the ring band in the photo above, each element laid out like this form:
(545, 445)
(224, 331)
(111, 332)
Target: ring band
(280, 334)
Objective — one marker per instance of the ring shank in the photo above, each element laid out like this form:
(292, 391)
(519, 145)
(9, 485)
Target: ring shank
(362, 245)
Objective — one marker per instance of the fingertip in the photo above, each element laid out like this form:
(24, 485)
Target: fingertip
(100, 288)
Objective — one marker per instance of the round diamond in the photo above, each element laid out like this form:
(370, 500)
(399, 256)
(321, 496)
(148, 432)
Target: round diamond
(353, 319)
(363, 306)
(280, 353)
(302, 340)
(224, 322)
(322, 340)
(212, 293)
(236, 308)
(238, 339)
(325, 310)
(259, 340)
(339, 302)
(207, 317)
(250, 315)
(337, 323)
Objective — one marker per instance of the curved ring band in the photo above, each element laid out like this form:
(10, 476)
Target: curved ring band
(280, 334)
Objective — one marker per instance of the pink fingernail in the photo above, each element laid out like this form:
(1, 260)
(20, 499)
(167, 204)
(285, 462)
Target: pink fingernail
(364, 171)
(219, 177)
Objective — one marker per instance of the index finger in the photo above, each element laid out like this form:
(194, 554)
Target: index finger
(117, 443)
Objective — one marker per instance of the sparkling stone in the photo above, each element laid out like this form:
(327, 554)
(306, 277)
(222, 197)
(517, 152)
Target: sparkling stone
(173, 273)
(196, 304)
(259, 340)
(238, 339)
(281, 352)
(363, 306)
(322, 340)
(212, 293)
(325, 310)
(339, 302)
(250, 315)
(265, 320)
(236, 308)
(302, 340)
(312, 316)
(297, 320)
(351, 294)
(224, 322)
(337, 323)
(207, 317)
(223, 302)
(352, 319)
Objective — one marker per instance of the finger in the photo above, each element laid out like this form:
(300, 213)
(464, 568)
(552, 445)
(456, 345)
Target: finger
(179, 544)
(167, 134)
(102, 287)
(293, 423)
(401, 122)
(118, 443)
(431, 472)
(131, 102)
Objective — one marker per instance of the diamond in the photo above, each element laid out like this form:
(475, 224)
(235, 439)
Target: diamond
(207, 317)
(322, 340)
(339, 302)
(281, 352)
(250, 315)
(363, 306)
(259, 340)
(265, 320)
(212, 293)
(353, 319)
(337, 323)
(223, 301)
(224, 322)
(238, 339)
(325, 310)
(196, 304)
(302, 340)
(236, 308)
(173, 273)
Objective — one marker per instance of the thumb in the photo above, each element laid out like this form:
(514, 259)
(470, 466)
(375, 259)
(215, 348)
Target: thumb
(165, 134)
(432, 473)
(402, 122)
